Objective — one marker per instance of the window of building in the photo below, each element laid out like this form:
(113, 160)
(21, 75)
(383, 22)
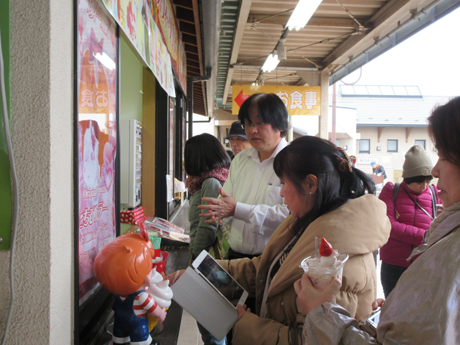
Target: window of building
(421, 142)
(364, 146)
(392, 145)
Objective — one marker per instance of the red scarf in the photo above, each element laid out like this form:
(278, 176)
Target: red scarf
(193, 183)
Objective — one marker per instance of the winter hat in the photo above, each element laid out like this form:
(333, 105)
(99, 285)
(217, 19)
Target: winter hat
(417, 162)
(236, 131)
(372, 163)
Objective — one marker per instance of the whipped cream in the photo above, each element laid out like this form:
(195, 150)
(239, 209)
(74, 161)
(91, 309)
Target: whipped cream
(159, 290)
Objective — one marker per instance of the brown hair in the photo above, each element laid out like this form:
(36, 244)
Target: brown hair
(443, 125)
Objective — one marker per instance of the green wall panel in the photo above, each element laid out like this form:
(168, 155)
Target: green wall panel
(5, 174)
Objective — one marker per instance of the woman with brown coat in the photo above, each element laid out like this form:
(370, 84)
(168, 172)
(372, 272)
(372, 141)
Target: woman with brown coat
(326, 198)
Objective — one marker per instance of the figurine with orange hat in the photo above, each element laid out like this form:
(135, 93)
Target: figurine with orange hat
(124, 267)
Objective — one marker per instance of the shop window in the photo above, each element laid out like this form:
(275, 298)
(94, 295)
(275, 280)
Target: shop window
(421, 142)
(364, 146)
(392, 145)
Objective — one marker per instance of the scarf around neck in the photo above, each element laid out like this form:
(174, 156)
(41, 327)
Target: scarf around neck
(193, 183)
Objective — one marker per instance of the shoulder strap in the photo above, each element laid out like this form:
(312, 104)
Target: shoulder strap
(395, 194)
(395, 191)
(433, 201)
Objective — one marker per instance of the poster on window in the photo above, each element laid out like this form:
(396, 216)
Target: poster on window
(97, 140)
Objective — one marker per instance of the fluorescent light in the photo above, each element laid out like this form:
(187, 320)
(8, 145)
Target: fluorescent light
(271, 62)
(302, 14)
(105, 60)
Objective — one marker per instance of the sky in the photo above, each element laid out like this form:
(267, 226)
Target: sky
(429, 59)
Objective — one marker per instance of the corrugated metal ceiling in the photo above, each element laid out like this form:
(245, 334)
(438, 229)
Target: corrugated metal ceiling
(251, 29)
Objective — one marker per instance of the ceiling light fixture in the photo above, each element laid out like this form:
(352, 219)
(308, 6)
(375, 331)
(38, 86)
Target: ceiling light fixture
(271, 62)
(302, 14)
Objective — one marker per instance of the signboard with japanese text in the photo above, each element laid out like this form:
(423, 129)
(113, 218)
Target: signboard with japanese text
(299, 100)
(97, 64)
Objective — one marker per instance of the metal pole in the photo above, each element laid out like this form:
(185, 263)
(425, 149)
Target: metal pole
(334, 107)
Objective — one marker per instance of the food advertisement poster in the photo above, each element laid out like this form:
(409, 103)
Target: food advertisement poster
(97, 64)
(136, 20)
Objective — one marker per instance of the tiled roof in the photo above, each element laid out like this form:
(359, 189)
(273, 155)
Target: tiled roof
(383, 112)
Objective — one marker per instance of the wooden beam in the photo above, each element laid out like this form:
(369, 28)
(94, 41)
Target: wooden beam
(187, 28)
(379, 133)
(184, 4)
(185, 15)
(191, 40)
(408, 130)
(196, 14)
(193, 50)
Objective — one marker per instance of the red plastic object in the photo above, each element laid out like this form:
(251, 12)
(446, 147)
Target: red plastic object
(162, 264)
(157, 253)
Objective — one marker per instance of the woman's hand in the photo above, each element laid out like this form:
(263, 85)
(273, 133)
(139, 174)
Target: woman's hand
(242, 309)
(379, 302)
(174, 276)
(311, 298)
(218, 209)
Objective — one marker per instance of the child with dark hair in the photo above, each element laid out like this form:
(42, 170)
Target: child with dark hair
(206, 164)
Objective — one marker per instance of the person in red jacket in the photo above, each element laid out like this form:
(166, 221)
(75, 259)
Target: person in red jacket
(410, 213)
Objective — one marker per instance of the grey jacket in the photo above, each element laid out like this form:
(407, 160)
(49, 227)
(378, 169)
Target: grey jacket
(202, 236)
(422, 309)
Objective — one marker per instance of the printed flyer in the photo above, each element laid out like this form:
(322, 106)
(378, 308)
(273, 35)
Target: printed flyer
(97, 106)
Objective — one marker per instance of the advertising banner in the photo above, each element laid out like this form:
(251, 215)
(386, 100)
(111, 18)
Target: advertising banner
(97, 64)
(299, 100)
(135, 19)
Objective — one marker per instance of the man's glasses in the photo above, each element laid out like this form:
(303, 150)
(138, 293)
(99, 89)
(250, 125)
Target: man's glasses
(251, 125)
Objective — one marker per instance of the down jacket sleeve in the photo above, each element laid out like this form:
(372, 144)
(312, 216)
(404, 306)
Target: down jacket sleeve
(330, 324)
(399, 231)
(251, 329)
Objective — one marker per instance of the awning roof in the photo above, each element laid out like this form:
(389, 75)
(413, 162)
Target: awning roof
(341, 36)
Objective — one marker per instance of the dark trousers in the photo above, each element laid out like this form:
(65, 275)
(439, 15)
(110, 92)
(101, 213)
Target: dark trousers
(250, 301)
(389, 275)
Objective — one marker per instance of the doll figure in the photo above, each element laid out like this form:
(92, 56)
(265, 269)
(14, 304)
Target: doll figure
(159, 290)
(124, 267)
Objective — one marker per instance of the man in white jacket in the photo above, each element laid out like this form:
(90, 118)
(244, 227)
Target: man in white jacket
(251, 194)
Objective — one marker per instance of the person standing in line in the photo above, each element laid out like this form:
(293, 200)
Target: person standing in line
(206, 163)
(251, 194)
(423, 307)
(250, 198)
(237, 138)
(410, 212)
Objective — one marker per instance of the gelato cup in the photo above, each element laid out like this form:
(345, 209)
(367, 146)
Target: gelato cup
(321, 276)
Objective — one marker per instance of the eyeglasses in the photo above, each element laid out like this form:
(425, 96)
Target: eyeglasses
(251, 125)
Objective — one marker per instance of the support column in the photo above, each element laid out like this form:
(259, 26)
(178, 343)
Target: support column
(322, 127)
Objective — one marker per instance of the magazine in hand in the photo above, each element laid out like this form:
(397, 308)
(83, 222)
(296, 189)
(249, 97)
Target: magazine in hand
(166, 229)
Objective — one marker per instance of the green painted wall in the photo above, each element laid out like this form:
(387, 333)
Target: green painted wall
(130, 89)
(5, 176)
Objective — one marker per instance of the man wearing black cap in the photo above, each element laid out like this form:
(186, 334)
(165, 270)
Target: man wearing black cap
(237, 138)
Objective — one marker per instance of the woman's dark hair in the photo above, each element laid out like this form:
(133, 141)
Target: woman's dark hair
(418, 179)
(204, 153)
(270, 109)
(443, 125)
(312, 155)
